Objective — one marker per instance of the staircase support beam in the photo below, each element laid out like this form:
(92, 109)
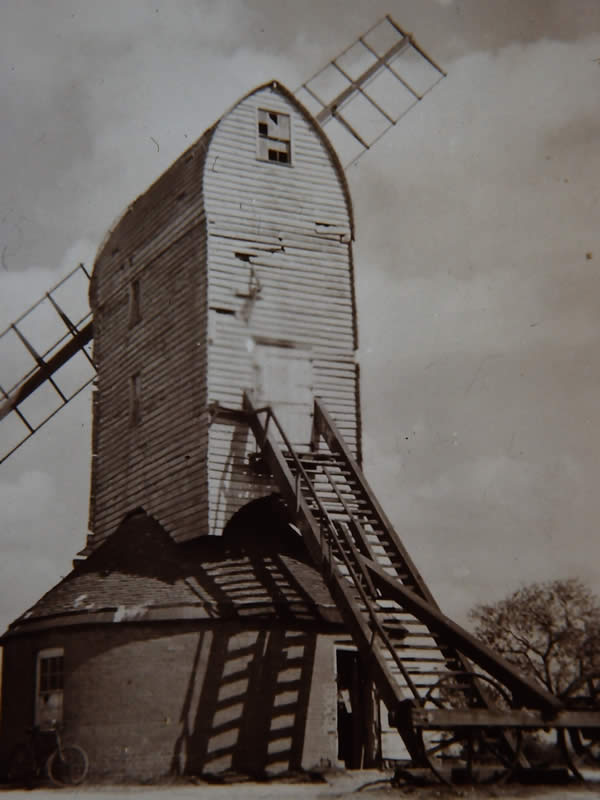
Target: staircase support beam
(524, 690)
(341, 591)
(326, 427)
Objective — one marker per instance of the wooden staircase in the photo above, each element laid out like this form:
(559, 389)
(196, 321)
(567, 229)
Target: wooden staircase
(402, 636)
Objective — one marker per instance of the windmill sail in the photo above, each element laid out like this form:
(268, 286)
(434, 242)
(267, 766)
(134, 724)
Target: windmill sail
(37, 379)
(365, 90)
(355, 98)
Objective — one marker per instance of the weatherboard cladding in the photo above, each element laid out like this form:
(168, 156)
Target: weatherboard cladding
(289, 228)
(160, 462)
(192, 240)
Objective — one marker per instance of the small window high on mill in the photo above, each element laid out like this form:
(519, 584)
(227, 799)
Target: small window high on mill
(274, 137)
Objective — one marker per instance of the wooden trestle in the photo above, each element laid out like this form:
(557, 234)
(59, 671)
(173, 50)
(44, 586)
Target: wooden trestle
(408, 644)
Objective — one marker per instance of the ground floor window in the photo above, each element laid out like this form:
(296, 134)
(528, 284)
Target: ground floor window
(50, 678)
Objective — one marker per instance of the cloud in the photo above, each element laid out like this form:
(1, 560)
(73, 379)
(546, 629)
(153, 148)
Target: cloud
(27, 498)
(477, 304)
(44, 485)
(24, 577)
(485, 526)
(478, 322)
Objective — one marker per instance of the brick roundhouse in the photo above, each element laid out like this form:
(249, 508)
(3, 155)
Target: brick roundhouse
(202, 657)
(193, 634)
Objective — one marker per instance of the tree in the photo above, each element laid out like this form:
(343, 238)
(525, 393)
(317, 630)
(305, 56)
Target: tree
(549, 630)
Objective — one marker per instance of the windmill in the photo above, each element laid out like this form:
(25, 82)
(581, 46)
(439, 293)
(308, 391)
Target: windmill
(224, 333)
(356, 98)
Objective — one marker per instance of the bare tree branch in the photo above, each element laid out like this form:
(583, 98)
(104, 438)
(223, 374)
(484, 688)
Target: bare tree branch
(550, 630)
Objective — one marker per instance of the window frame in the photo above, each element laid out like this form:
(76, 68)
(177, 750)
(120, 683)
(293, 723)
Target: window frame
(135, 302)
(135, 398)
(276, 140)
(46, 654)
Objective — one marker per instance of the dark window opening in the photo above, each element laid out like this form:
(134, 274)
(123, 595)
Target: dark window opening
(274, 136)
(135, 398)
(218, 310)
(51, 673)
(135, 308)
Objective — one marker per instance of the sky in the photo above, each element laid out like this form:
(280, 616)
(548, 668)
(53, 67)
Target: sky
(477, 257)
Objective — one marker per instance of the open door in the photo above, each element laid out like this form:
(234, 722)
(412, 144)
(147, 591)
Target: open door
(355, 722)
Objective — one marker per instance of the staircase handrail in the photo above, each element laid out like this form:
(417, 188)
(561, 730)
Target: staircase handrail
(325, 426)
(318, 554)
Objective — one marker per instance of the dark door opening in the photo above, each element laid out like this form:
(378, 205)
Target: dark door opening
(351, 711)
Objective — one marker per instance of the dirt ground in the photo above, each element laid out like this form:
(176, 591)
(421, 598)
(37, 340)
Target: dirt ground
(370, 785)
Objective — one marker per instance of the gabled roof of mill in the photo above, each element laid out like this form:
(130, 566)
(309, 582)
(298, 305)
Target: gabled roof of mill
(139, 574)
(335, 159)
(147, 211)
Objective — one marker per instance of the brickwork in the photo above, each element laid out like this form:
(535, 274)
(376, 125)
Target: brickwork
(18, 695)
(146, 700)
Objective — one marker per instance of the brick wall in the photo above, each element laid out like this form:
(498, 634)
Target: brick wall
(146, 699)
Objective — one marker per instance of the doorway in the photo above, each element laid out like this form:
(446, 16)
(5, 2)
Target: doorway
(352, 723)
(283, 379)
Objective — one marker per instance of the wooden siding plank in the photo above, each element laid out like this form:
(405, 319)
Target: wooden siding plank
(158, 476)
(322, 205)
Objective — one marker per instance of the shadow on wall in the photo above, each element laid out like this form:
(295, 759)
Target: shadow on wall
(141, 547)
(251, 709)
(236, 676)
(236, 470)
(250, 713)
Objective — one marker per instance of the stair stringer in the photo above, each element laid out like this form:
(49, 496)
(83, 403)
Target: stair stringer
(359, 586)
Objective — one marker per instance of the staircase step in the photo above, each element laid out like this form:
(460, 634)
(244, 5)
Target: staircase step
(318, 467)
(310, 461)
(336, 493)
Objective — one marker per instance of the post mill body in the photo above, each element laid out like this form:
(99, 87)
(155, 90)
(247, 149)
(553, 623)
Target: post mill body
(232, 273)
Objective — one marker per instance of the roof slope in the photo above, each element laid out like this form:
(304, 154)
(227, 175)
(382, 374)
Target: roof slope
(140, 574)
(149, 212)
(335, 159)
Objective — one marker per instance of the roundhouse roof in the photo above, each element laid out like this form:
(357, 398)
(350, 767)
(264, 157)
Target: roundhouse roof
(140, 574)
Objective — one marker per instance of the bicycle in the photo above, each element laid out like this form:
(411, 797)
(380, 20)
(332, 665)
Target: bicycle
(64, 764)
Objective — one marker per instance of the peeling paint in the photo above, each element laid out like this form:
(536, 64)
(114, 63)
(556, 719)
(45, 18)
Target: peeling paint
(79, 600)
(125, 613)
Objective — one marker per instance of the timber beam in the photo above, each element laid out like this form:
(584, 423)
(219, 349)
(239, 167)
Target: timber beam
(525, 691)
(46, 369)
(532, 719)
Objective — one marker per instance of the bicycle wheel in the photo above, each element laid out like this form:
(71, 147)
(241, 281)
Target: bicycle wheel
(69, 767)
(21, 766)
